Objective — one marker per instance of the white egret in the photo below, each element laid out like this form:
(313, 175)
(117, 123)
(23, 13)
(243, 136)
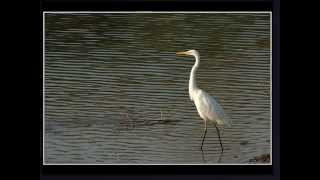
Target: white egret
(207, 107)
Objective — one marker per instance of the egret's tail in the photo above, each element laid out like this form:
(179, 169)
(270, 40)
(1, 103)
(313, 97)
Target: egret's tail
(226, 122)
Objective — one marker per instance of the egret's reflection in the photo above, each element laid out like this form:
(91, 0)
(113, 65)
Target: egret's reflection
(220, 157)
(204, 155)
(203, 159)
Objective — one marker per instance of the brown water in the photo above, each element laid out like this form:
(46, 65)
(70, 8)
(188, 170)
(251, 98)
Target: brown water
(116, 93)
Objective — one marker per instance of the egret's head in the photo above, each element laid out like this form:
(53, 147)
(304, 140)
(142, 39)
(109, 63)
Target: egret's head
(189, 53)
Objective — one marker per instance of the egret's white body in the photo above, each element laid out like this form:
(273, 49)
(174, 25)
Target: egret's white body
(208, 108)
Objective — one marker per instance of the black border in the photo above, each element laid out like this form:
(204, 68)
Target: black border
(157, 169)
(259, 171)
(156, 5)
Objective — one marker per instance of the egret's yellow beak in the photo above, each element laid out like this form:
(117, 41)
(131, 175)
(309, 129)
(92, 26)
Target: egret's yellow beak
(183, 53)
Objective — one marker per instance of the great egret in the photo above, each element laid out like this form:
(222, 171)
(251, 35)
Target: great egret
(207, 107)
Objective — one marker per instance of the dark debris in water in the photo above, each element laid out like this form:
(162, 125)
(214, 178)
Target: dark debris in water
(264, 158)
(132, 120)
(244, 143)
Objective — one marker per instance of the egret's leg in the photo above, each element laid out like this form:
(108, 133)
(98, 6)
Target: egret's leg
(204, 134)
(218, 131)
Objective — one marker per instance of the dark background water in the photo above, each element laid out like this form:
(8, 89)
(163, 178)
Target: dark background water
(116, 93)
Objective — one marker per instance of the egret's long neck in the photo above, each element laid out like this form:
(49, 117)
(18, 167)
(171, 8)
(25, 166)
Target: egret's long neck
(192, 81)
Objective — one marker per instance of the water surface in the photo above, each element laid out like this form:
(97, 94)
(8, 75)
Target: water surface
(116, 93)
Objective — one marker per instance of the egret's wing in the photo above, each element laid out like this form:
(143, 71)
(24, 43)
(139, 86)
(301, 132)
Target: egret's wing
(208, 107)
(220, 112)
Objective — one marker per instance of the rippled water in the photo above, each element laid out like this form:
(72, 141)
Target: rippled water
(115, 92)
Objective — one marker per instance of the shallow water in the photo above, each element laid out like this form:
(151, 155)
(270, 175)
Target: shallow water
(116, 93)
